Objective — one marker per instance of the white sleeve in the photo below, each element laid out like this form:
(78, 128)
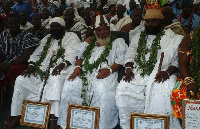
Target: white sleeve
(132, 49)
(36, 54)
(120, 46)
(70, 44)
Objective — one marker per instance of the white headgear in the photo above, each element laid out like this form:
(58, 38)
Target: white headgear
(58, 20)
(101, 20)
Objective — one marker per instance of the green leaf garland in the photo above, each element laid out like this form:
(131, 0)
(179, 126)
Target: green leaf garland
(147, 66)
(60, 54)
(195, 62)
(87, 67)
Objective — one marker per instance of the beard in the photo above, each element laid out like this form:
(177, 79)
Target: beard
(153, 30)
(57, 33)
(103, 41)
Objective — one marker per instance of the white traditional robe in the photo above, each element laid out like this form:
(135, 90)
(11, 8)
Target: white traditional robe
(144, 95)
(30, 88)
(102, 90)
(122, 22)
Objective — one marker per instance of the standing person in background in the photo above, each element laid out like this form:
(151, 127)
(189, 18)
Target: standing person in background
(63, 6)
(38, 30)
(119, 20)
(24, 24)
(136, 26)
(188, 20)
(72, 24)
(24, 6)
(167, 23)
(112, 12)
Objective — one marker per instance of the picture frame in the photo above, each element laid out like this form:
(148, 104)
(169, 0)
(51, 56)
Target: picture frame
(35, 114)
(190, 114)
(82, 117)
(150, 121)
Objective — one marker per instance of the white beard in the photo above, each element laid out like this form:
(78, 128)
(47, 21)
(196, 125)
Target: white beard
(103, 41)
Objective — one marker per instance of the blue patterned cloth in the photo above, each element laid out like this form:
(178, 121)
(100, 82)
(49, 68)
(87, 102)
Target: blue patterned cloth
(25, 7)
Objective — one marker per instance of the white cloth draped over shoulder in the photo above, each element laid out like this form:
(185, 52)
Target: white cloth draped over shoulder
(102, 90)
(122, 22)
(26, 27)
(137, 30)
(30, 88)
(80, 26)
(143, 94)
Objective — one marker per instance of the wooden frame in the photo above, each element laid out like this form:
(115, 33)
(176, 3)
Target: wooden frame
(190, 114)
(149, 119)
(35, 114)
(78, 113)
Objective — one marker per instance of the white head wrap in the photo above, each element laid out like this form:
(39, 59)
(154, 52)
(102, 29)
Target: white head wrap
(58, 20)
(100, 20)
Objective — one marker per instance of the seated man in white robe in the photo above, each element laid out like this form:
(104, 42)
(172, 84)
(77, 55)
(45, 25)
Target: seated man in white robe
(29, 85)
(99, 58)
(74, 24)
(119, 20)
(144, 89)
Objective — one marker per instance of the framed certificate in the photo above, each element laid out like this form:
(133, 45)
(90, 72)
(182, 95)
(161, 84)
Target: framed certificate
(35, 114)
(82, 117)
(148, 121)
(191, 114)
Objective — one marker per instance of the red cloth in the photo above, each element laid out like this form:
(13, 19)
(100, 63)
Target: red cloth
(13, 72)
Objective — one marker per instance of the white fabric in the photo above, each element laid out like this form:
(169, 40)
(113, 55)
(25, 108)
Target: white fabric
(143, 95)
(30, 88)
(26, 27)
(137, 30)
(58, 20)
(196, 1)
(102, 90)
(45, 23)
(122, 22)
(81, 27)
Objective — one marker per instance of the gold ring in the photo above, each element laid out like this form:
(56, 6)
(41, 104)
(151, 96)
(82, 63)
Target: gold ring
(192, 93)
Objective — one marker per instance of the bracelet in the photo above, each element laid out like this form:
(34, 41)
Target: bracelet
(77, 66)
(65, 64)
(31, 65)
(110, 69)
(167, 73)
(128, 68)
(188, 80)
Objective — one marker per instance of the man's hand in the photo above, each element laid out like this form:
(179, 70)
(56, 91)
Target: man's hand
(103, 73)
(3, 67)
(161, 77)
(77, 72)
(192, 91)
(56, 71)
(30, 70)
(129, 75)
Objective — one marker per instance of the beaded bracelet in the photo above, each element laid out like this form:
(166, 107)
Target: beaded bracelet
(188, 80)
